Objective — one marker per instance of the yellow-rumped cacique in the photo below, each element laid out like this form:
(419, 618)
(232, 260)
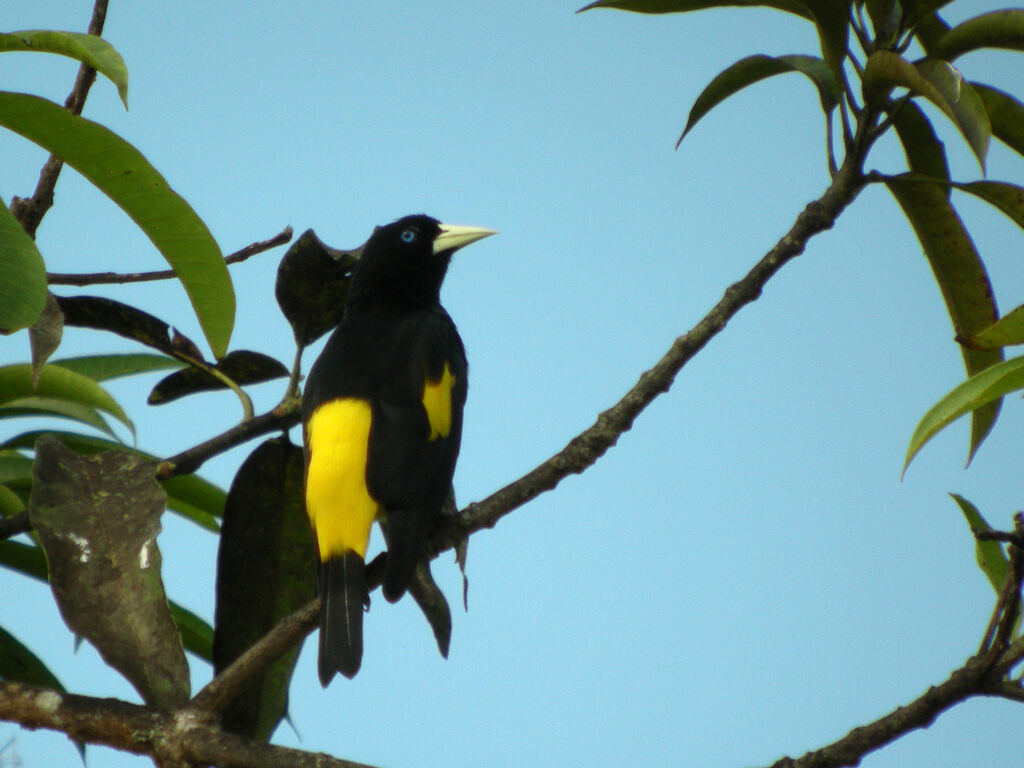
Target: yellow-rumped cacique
(382, 422)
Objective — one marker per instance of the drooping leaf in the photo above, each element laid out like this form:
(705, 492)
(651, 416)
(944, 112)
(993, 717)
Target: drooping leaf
(758, 67)
(990, 555)
(91, 50)
(312, 286)
(45, 334)
(1007, 331)
(196, 634)
(915, 11)
(57, 383)
(1008, 198)
(832, 20)
(50, 407)
(978, 392)
(265, 570)
(928, 29)
(190, 496)
(925, 153)
(124, 175)
(19, 664)
(885, 17)
(997, 29)
(960, 274)
(23, 279)
(241, 366)
(679, 6)
(97, 518)
(27, 559)
(104, 367)
(1006, 115)
(936, 81)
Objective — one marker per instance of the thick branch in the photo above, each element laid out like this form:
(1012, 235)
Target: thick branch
(107, 278)
(168, 737)
(30, 211)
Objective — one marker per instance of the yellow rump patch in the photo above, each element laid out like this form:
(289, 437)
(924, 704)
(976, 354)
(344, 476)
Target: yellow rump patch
(337, 500)
(437, 402)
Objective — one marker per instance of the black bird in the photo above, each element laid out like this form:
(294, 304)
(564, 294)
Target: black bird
(382, 422)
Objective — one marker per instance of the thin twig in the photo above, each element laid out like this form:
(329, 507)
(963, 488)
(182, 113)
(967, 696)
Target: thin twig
(30, 211)
(109, 278)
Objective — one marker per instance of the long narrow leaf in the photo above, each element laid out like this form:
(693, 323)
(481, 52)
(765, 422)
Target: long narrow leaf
(680, 6)
(960, 274)
(1007, 331)
(758, 67)
(19, 664)
(925, 153)
(88, 49)
(1005, 114)
(23, 278)
(104, 367)
(978, 392)
(998, 29)
(49, 407)
(124, 175)
(59, 384)
(989, 554)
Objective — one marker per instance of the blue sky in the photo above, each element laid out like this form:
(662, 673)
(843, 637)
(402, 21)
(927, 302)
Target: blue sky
(743, 575)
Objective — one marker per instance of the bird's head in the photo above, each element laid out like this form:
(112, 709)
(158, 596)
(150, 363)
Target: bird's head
(406, 260)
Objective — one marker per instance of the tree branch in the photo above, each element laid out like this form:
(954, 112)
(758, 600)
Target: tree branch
(30, 211)
(168, 737)
(108, 278)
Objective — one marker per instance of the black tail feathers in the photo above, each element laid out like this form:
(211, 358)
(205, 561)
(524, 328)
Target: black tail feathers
(342, 596)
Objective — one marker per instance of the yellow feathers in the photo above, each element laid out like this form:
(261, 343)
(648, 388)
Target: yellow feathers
(437, 402)
(338, 502)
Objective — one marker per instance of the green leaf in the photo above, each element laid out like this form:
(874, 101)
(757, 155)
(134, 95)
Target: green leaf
(1008, 198)
(124, 175)
(978, 392)
(679, 6)
(265, 570)
(196, 634)
(97, 518)
(23, 280)
(989, 554)
(1006, 331)
(49, 407)
(915, 11)
(960, 274)
(91, 50)
(14, 466)
(10, 502)
(998, 29)
(938, 82)
(925, 153)
(758, 67)
(1006, 115)
(19, 664)
(57, 383)
(27, 559)
(104, 367)
(832, 20)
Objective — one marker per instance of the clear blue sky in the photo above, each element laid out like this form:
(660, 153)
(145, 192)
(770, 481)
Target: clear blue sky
(743, 575)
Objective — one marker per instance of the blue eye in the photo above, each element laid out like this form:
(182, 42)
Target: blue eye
(408, 235)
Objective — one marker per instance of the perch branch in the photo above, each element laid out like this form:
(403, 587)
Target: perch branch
(109, 278)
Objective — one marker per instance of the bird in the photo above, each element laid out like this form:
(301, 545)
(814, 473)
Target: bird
(382, 423)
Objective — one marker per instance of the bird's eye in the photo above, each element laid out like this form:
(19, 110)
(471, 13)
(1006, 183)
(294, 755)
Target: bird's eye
(408, 235)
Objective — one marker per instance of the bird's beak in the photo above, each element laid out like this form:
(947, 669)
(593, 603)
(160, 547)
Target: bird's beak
(452, 237)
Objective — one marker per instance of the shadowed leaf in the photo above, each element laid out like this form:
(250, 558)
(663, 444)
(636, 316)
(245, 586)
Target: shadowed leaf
(998, 29)
(679, 6)
(27, 559)
(23, 279)
(989, 554)
(88, 49)
(265, 570)
(45, 334)
(196, 634)
(312, 286)
(915, 11)
(758, 67)
(832, 20)
(925, 154)
(979, 391)
(960, 274)
(97, 518)
(241, 366)
(127, 178)
(1006, 115)
(122, 319)
(19, 664)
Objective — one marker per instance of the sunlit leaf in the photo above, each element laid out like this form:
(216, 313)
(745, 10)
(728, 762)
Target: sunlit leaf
(58, 384)
(46, 333)
(196, 634)
(678, 6)
(1007, 331)
(989, 554)
(23, 279)
(10, 502)
(1006, 115)
(998, 29)
(960, 274)
(104, 367)
(88, 49)
(979, 391)
(758, 67)
(124, 175)
(14, 466)
(19, 664)
(50, 407)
